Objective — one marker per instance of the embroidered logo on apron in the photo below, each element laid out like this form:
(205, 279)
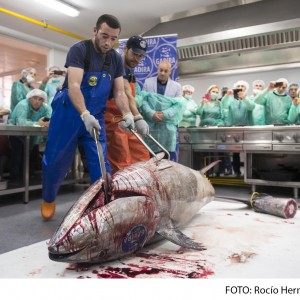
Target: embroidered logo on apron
(92, 81)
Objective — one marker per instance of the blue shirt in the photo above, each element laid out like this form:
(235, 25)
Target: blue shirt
(161, 87)
(77, 55)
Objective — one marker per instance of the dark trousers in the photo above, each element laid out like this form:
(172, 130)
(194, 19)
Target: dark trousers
(83, 158)
(236, 162)
(227, 162)
(17, 158)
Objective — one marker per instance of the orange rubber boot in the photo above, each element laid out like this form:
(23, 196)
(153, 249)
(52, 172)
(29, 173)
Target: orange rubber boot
(48, 209)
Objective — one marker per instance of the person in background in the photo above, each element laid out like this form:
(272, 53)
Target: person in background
(226, 159)
(239, 113)
(162, 84)
(4, 144)
(258, 113)
(294, 112)
(189, 118)
(225, 111)
(54, 83)
(21, 87)
(224, 90)
(210, 108)
(51, 74)
(29, 112)
(292, 91)
(277, 103)
(94, 70)
(210, 115)
(238, 104)
(123, 148)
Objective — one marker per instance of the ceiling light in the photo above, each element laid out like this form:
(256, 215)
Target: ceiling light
(60, 6)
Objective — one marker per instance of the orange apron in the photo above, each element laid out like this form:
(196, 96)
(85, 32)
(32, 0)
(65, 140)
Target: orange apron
(123, 148)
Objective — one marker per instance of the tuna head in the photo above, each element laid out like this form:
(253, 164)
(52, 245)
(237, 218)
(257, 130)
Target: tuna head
(93, 232)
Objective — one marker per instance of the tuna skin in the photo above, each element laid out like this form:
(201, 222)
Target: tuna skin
(145, 198)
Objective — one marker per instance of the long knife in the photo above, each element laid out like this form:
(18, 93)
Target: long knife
(134, 132)
(102, 164)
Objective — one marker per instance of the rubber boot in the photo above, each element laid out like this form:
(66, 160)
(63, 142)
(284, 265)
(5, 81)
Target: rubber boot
(48, 210)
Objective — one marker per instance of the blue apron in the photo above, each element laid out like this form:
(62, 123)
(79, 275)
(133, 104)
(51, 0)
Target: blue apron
(67, 129)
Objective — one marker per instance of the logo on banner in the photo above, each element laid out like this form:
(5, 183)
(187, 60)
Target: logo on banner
(144, 68)
(165, 52)
(152, 44)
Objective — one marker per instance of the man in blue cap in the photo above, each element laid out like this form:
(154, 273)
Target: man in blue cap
(124, 148)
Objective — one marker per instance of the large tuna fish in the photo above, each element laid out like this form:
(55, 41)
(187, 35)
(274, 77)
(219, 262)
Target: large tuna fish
(157, 196)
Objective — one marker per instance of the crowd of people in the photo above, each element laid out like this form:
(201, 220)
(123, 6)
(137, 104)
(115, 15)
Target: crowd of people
(237, 106)
(99, 92)
(276, 104)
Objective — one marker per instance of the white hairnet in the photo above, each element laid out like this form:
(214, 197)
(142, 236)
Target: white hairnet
(282, 80)
(54, 68)
(37, 92)
(26, 71)
(211, 87)
(258, 81)
(241, 82)
(293, 85)
(189, 88)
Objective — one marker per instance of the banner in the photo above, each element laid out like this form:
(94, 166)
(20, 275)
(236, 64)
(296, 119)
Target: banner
(159, 48)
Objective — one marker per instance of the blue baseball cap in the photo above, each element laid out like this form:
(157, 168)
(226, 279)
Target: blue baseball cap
(138, 44)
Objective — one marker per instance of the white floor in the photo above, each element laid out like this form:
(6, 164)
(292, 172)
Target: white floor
(240, 244)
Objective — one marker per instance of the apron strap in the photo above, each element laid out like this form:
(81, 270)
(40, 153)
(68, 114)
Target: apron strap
(107, 62)
(87, 60)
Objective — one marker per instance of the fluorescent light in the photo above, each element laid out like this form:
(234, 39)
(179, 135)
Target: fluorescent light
(61, 7)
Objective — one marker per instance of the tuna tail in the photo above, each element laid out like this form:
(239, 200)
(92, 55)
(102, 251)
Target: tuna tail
(172, 234)
(211, 165)
(264, 203)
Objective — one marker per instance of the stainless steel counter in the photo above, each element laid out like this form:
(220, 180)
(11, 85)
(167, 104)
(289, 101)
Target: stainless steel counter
(271, 153)
(25, 131)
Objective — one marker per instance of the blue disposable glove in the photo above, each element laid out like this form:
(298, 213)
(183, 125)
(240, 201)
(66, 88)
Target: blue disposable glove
(127, 122)
(90, 122)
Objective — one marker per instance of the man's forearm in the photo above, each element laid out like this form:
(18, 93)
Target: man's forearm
(122, 103)
(77, 99)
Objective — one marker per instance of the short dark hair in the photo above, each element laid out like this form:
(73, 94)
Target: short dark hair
(110, 20)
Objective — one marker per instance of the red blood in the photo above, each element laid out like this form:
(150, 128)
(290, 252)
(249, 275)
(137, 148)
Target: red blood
(134, 270)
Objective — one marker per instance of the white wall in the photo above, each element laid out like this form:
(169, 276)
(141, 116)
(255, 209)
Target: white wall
(202, 82)
(56, 58)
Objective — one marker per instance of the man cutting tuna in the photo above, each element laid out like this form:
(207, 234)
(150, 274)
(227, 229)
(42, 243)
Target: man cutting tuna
(94, 67)
(124, 148)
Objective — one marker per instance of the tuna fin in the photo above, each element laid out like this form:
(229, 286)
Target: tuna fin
(164, 164)
(172, 234)
(159, 163)
(204, 170)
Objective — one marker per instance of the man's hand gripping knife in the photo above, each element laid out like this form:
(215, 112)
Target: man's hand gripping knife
(127, 122)
(141, 125)
(90, 122)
